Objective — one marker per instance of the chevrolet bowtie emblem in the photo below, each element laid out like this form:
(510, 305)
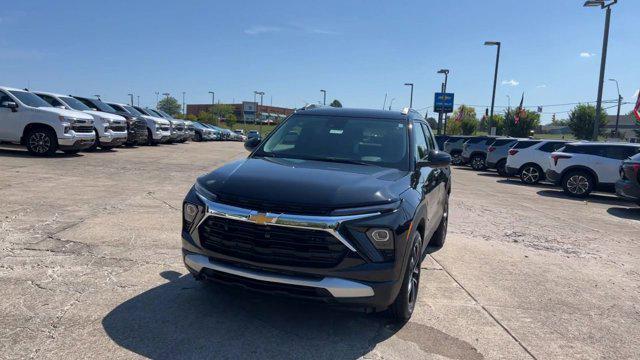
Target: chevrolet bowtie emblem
(262, 219)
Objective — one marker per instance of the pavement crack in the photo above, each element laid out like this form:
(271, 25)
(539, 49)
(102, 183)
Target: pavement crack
(485, 309)
(151, 195)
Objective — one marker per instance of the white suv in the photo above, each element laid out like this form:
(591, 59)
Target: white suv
(582, 167)
(529, 159)
(27, 120)
(158, 129)
(110, 129)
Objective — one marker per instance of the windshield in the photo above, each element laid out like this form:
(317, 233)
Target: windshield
(75, 104)
(153, 113)
(132, 111)
(29, 99)
(200, 126)
(97, 104)
(163, 114)
(382, 142)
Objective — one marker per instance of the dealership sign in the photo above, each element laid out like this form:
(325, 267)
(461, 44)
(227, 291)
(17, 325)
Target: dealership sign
(443, 102)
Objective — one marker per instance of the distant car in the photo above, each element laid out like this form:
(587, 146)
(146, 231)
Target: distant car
(204, 133)
(136, 125)
(253, 134)
(628, 187)
(178, 126)
(497, 154)
(239, 131)
(474, 151)
(583, 167)
(158, 129)
(453, 145)
(529, 159)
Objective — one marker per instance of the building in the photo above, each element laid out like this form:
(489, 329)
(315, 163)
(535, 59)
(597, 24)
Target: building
(248, 112)
(627, 126)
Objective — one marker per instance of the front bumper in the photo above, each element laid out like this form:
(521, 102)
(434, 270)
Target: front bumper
(628, 190)
(76, 141)
(553, 176)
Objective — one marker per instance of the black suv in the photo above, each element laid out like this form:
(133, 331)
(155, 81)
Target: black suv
(337, 205)
(136, 124)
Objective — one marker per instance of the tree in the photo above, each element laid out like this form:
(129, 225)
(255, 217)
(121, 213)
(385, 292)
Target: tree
(205, 117)
(169, 105)
(336, 103)
(498, 123)
(231, 120)
(222, 111)
(467, 125)
(581, 121)
(529, 120)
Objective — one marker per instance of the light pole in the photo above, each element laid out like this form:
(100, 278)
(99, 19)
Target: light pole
(495, 79)
(166, 95)
(138, 100)
(324, 97)
(411, 98)
(384, 104)
(619, 104)
(183, 105)
(391, 103)
(603, 61)
(444, 90)
(213, 101)
(508, 102)
(131, 96)
(261, 93)
(157, 99)
(98, 96)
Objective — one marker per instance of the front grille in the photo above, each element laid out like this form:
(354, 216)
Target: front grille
(118, 128)
(165, 128)
(140, 126)
(278, 208)
(274, 245)
(180, 128)
(266, 286)
(83, 128)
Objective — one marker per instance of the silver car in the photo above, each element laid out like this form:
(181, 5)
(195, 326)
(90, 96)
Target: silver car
(453, 146)
(497, 154)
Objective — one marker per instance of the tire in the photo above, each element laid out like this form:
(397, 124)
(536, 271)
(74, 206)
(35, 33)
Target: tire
(578, 183)
(502, 168)
(531, 174)
(96, 142)
(197, 137)
(150, 140)
(478, 162)
(456, 158)
(438, 238)
(42, 141)
(404, 304)
(71, 152)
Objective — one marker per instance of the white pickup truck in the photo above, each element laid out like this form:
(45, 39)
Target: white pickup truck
(110, 129)
(27, 120)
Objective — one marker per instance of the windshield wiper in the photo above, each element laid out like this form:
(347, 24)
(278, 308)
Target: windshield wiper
(337, 160)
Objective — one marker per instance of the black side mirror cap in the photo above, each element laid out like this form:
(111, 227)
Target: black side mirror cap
(252, 144)
(435, 159)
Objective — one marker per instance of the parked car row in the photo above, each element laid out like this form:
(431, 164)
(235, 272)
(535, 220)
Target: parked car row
(45, 122)
(578, 167)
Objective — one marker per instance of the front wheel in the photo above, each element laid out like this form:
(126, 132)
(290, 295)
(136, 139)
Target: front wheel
(197, 137)
(402, 308)
(456, 158)
(531, 174)
(42, 142)
(578, 184)
(478, 163)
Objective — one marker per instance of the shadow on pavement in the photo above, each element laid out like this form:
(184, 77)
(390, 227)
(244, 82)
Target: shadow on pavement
(594, 198)
(488, 173)
(188, 319)
(625, 213)
(25, 154)
(517, 182)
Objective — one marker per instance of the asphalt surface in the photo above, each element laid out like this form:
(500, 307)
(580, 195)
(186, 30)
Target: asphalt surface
(90, 267)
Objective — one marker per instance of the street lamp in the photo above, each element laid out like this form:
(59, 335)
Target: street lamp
(444, 90)
(213, 101)
(603, 61)
(166, 95)
(131, 96)
(495, 78)
(508, 102)
(411, 98)
(98, 96)
(324, 97)
(183, 104)
(619, 104)
(157, 94)
(391, 103)
(261, 93)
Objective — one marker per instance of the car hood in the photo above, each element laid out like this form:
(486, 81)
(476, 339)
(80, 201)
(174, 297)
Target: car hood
(307, 182)
(157, 119)
(105, 115)
(67, 113)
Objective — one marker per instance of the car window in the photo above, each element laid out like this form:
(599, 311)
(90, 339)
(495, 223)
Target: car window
(382, 142)
(430, 139)
(420, 146)
(552, 146)
(619, 152)
(74, 103)
(5, 98)
(476, 140)
(502, 142)
(50, 99)
(29, 99)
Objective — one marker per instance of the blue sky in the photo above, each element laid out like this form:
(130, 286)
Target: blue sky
(356, 50)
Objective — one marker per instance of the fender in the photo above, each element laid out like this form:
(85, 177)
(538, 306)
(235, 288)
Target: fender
(580, 167)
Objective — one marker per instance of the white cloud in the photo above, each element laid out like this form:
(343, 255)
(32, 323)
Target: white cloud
(260, 29)
(585, 54)
(541, 86)
(511, 82)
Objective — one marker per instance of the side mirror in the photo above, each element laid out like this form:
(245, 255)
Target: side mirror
(10, 105)
(435, 159)
(252, 144)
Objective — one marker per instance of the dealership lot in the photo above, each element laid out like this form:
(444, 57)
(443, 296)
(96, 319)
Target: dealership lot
(90, 267)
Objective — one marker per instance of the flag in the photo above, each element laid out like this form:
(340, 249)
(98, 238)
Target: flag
(519, 111)
(636, 109)
(460, 115)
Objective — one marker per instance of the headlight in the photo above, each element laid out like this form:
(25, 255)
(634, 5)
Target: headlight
(190, 212)
(65, 120)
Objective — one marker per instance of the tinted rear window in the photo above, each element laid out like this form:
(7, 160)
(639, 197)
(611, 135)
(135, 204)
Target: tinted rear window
(476, 140)
(552, 146)
(525, 144)
(501, 142)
